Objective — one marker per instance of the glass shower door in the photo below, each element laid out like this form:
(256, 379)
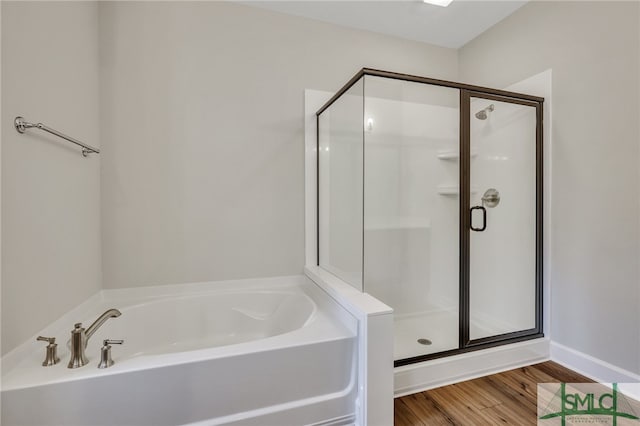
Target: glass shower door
(504, 218)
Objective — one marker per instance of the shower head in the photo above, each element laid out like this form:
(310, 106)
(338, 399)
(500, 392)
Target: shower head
(482, 114)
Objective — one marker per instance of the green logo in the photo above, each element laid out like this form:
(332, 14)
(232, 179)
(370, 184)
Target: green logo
(591, 403)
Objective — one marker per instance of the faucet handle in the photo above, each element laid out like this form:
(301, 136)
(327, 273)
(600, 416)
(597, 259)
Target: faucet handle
(51, 357)
(105, 352)
(51, 340)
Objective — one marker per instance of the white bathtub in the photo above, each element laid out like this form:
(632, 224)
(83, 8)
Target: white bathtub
(255, 352)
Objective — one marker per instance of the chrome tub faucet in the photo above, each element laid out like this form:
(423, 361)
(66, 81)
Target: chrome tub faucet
(80, 337)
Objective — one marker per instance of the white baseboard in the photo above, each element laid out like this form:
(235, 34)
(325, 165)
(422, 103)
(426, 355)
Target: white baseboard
(591, 367)
(445, 371)
(595, 369)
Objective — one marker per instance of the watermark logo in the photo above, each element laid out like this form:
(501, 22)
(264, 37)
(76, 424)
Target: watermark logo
(585, 403)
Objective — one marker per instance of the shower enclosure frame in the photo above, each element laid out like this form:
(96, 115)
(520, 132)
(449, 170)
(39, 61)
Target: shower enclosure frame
(466, 92)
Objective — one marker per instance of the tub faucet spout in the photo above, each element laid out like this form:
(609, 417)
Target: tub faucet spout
(80, 337)
(111, 313)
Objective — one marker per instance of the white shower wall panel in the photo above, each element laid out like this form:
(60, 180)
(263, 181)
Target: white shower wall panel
(397, 265)
(411, 236)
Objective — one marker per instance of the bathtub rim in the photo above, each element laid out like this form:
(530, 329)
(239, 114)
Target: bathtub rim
(329, 322)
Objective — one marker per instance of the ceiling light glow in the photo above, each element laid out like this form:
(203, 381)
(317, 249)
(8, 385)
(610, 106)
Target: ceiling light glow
(443, 3)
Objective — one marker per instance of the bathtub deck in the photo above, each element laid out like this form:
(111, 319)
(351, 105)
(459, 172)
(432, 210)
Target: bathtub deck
(250, 352)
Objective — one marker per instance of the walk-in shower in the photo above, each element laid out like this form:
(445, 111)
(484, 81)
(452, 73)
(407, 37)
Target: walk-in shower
(430, 199)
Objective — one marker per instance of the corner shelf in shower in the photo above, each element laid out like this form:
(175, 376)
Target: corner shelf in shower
(398, 223)
(452, 155)
(452, 190)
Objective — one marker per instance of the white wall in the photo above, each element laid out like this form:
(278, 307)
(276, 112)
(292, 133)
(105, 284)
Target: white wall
(203, 126)
(593, 50)
(50, 193)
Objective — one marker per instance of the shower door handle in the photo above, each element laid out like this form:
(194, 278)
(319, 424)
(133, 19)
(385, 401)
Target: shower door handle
(484, 218)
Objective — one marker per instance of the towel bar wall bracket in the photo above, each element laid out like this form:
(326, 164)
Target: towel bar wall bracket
(21, 126)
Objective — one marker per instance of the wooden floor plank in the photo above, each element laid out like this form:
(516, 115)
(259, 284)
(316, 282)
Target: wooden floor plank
(537, 375)
(423, 407)
(504, 398)
(479, 396)
(501, 414)
(519, 382)
(449, 402)
(404, 415)
(513, 396)
(561, 374)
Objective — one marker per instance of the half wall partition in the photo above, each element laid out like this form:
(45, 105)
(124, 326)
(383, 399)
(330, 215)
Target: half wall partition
(430, 199)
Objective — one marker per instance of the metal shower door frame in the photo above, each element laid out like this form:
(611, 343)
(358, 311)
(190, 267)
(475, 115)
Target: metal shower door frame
(466, 92)
(465, 342)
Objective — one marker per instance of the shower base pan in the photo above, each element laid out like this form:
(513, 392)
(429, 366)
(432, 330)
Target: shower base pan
(430, 332)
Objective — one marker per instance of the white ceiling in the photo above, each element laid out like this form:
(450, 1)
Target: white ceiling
(451, 26)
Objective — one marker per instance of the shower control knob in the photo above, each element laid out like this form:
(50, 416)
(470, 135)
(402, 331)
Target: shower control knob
(491, 198)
